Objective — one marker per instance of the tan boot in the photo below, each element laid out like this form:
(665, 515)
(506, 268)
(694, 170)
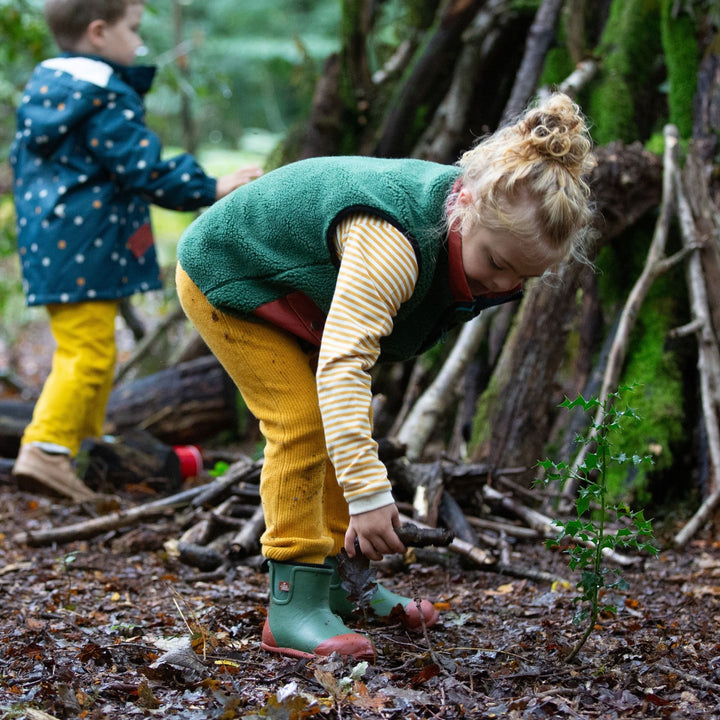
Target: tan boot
(36, 470)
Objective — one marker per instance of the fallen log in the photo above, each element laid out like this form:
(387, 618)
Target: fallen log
(247, 541)
(201, 557)
(182, 405)
(14, 418)
(111, 464)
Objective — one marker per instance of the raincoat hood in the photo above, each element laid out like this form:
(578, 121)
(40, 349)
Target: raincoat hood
(65, 89)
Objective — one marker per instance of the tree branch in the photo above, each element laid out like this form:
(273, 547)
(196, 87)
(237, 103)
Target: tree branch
(654, 265)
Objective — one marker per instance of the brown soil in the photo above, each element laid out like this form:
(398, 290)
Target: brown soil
(117, 627)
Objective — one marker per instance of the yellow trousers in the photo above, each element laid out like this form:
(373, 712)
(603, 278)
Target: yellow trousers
(306, 515)
(74, 397)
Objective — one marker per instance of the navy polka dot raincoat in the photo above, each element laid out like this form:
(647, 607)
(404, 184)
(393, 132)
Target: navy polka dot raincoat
(86, 169)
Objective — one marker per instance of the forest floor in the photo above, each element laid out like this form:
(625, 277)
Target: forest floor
(116, 627)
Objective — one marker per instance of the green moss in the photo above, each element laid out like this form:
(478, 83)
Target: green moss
(682, 61)
(629, 48)
(524, 6)
(631, 39)
(558, 65)
(620, 262)
(421, 13)
(612, 111)
(481, 427)
(656, 143)
(658, 400)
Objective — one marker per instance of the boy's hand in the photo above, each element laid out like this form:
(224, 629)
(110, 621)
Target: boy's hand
(227, 183)
(375, 533)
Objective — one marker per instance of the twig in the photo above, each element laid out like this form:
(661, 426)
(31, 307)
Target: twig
(486, 561)
(476, 554)
(694, 679)
(654, 265)
(708, 366)
(148, 341)
(112, 521)
(242, 469)
(431, 406)
(541, 35)
(546, 525)
(520, 531)
(246, 541)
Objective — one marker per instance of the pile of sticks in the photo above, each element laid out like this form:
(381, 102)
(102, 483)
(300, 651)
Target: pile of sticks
(221, 521)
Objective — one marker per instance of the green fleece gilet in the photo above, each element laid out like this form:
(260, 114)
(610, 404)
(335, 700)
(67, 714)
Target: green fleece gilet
(275, 236)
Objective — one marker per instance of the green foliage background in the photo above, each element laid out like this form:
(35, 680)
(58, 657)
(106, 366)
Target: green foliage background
(249, 74)
(250, 65)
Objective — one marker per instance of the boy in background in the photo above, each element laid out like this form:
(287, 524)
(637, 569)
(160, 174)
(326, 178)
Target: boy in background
(86, 170)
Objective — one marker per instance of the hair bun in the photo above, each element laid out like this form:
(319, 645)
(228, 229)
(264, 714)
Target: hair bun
(556, 130)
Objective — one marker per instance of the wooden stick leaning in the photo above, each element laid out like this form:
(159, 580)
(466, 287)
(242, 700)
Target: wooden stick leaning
(708, 367)
(656, 263)
(433, 403)
(148, 341)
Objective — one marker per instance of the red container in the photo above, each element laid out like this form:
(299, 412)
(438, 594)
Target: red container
(191, 462)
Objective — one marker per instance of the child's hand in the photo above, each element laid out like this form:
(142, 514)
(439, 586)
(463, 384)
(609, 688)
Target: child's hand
(375, 533)
(227, 183)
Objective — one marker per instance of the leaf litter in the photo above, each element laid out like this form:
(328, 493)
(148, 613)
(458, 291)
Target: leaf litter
(111, 629)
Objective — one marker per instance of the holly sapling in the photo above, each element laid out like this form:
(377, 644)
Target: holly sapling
(590, 533)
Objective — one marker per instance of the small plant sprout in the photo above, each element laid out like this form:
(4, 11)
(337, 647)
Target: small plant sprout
(590, 531)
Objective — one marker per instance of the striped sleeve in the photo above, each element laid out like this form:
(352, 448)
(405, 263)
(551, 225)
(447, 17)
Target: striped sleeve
(378, 272)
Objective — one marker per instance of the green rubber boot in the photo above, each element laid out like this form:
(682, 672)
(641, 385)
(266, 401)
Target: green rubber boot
(382, 603)
(300, 622)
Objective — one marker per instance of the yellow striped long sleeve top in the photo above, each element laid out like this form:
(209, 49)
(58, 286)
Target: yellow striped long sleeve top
(378, 272)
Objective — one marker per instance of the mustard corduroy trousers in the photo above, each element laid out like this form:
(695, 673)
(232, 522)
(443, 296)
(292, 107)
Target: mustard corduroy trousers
(74, 398)
(306, 515)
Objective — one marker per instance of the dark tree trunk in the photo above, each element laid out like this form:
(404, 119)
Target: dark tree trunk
(422, 86)
(184, 404)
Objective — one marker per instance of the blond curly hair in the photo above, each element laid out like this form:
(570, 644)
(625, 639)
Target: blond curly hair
(529, 178)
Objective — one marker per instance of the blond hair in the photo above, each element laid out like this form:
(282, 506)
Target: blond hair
(69, 19)
(544, 158)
